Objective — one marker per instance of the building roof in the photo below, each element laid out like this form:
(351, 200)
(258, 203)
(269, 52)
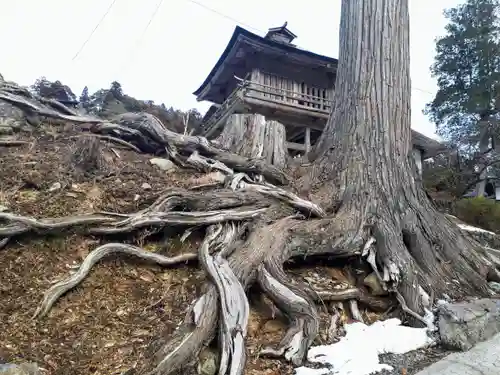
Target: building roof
(281, 31)
(259, 44)
(429, 147)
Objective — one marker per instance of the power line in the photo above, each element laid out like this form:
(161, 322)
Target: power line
(422, 90)
(215, 11)
(143, 34)
(94, 30)
(256, 29)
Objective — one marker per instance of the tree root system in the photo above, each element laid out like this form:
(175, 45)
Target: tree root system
(254, 225)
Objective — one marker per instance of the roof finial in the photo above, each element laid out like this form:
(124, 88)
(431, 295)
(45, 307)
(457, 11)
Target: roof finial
(285, 24)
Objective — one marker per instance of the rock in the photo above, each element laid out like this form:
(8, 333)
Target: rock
(55, 186)
(208, 362)
(146, 186)
(19, 369)
(3, 208)
(493, 285)
(10, 115)
(274, 326)
(6, 130)
(463, 324)
(164, 164)
(372, 282)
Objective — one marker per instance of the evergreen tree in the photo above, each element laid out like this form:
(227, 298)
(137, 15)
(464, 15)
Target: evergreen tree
(467, 68)
(85, 98)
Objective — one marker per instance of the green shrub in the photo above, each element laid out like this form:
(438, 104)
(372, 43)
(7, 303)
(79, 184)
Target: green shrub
(480, 212)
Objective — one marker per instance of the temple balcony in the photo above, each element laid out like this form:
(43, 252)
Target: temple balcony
(302, 107)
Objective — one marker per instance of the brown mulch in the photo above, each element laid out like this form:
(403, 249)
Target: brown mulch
(103, 325)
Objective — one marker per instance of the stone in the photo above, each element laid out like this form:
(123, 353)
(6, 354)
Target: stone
(10, 115)
(146, 186)
(6, 130)
(19, 369)
(464, 324)
(373, 283)
(207, 364)
(164, 164)
(495, 286)
(55, 186)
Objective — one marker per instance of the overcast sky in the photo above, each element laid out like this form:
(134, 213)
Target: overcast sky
(168, 60)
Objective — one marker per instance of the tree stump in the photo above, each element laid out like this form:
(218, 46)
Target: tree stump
(252, 136)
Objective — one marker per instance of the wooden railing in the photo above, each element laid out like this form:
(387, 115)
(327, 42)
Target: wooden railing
(287, 97)
(247, 88)
(225, 107)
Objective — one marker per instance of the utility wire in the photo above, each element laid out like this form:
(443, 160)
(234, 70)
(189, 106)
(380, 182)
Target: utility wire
(248, 26)
(94, 29)
(215, 11)
(143, 34)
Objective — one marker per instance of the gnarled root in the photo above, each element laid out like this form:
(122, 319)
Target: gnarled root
(65, 285)
(215, 207)
(150, 135)
(297, 306)
(167, 357)
(233, 301)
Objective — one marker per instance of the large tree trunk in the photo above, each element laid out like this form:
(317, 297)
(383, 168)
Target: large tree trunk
(252, 136)
(363, 172)
(363, 164)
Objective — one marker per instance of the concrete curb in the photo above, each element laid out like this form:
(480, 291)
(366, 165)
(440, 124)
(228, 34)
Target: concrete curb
(482, 359)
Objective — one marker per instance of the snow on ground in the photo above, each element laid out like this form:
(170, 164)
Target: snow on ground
(357, 353)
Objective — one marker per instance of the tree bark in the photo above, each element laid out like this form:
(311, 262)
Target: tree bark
(364, 171)
(252, 136)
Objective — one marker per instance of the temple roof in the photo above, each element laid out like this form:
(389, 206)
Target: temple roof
(429, 147)
(232, 59)
(280, 34)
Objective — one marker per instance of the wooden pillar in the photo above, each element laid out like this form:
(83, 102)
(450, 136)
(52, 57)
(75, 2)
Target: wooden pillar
(307, 141)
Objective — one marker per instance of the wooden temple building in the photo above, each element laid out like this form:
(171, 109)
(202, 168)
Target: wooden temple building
(271, 76)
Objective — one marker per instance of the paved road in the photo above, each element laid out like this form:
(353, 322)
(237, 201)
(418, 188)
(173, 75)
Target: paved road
(483, 359)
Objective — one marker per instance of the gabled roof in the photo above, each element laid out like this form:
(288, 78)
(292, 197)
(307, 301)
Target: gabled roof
(241, 36)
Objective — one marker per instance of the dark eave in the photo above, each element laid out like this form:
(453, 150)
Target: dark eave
(429, 147)
(241, 36)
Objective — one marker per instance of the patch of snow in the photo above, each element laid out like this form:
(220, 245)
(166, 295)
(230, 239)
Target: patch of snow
(470, 228)
(358, 352)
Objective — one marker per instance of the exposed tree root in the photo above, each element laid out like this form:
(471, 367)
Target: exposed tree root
(150, 135)
(12, 143)
(119, 141)
(242, 182)
(414, 252)
(234, 306)
(297, 306)
(113, 224)
(96, 255)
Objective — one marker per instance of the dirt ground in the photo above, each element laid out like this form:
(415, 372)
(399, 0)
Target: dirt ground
(103, 325)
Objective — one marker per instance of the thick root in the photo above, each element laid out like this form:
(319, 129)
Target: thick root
(199, 328)
(150, 135)
(233, 301)
(157, 216)
(297, 306)
(65, 285)
(243, 183)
